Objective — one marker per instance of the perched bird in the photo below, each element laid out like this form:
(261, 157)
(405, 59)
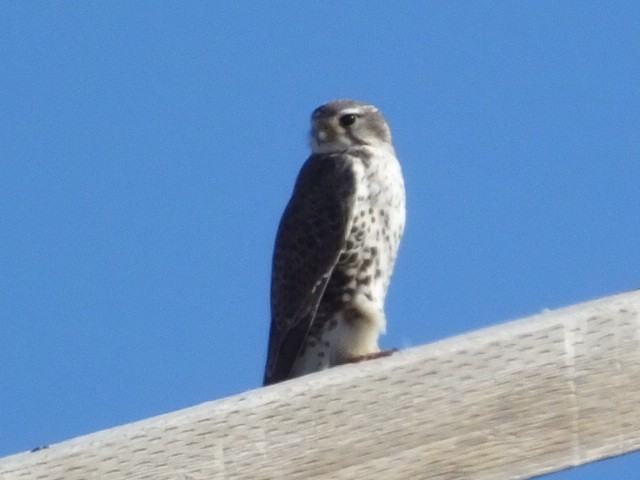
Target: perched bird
(336, 245)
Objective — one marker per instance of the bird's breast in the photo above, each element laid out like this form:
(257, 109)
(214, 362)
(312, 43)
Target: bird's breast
(374, 233)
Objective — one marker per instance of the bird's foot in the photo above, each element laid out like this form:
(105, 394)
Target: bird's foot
(371, 356)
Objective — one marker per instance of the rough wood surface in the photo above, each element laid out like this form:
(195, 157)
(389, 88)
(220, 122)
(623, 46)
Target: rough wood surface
(523, 398)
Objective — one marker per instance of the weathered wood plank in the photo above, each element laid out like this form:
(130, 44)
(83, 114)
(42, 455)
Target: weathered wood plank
(536, 395)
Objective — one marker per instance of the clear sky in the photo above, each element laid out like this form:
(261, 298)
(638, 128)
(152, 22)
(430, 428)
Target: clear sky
(147, 150)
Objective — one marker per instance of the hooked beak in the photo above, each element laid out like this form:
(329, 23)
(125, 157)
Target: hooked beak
(324, 131)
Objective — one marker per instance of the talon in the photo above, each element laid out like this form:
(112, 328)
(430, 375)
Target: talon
(372, 356)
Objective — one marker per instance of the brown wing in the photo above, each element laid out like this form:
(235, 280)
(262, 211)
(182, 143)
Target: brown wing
(309, 241)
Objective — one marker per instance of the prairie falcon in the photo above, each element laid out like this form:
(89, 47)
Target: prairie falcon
(336, 245)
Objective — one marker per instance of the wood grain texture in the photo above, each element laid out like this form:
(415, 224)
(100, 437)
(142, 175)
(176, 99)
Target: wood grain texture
(512, 401)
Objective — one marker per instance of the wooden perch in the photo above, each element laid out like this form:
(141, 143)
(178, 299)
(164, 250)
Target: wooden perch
(555, 390)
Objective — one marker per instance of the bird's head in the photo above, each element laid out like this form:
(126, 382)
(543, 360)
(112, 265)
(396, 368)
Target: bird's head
(339, 125)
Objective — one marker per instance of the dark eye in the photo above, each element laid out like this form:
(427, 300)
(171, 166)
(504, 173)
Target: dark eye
(347, 120)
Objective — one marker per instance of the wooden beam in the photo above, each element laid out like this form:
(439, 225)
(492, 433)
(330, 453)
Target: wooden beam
(516, 400)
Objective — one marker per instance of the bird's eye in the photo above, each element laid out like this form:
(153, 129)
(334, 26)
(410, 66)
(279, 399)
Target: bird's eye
(347, 120)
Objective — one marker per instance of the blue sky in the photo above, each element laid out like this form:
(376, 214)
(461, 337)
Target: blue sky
(148, 150)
